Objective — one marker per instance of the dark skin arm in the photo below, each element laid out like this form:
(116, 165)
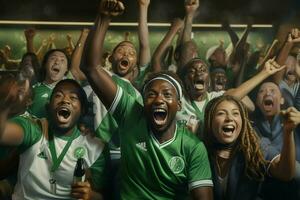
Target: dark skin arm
(293, 38)
(202, 193)
(191, 7)
(144, 52)
(76, 56)
(164, 44)
(101, 82)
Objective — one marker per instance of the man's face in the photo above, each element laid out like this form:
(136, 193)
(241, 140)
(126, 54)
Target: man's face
(197, 79)
(65, 106)
(218, 81)
(161, 105)
(123, 59)
(269, 99)
(218, 58)
(56, 66)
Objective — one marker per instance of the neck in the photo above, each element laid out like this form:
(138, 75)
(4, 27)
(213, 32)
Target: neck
(61, 131)
(49, 81)
(165, 135)
(200, 97)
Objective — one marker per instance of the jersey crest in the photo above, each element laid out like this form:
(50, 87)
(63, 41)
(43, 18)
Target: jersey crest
(176, 164)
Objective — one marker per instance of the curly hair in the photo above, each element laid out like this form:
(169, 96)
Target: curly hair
(247, 142)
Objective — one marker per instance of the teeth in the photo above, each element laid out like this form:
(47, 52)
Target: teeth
(159, 110)
(229, 126)
(199, 86)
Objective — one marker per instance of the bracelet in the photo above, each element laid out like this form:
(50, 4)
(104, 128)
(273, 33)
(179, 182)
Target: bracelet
(79, 44)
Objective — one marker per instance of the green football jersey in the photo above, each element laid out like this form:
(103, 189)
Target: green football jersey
(41, 96)
(151, 170)
(105, 125)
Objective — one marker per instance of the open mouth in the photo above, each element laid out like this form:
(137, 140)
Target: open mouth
(228, 129)
(55, 69)
(124, 63)
(160, 116)
(199, 84)
(63, 114)
(268, 103)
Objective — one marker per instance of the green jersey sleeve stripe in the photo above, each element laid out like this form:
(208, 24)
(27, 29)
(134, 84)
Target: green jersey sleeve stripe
(202, 183)
(116, 100)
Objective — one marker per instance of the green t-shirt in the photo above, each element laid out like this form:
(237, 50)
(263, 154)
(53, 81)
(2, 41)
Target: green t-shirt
(105, 125)
(151, 170)
(41, 96)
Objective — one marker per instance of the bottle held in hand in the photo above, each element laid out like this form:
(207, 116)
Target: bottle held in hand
(79, 172)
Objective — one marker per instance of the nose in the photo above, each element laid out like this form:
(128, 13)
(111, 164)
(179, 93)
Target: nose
(66, 99)
(159, 99)
(228, 117)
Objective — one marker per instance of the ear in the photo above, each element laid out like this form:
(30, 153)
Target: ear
(179, 105)
(110, 58)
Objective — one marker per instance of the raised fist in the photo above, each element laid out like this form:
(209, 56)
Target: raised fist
(111, 7)
(30, 33)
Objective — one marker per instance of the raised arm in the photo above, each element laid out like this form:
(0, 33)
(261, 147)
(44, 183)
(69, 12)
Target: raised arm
(70, 42)
(76, 56)
(101, 82)
(191, 7)
(164, 44)
(12, 97)
(144, 51)
(188, 48)
(270, 68)
(284, 166)
(293, 38)
(29, 35)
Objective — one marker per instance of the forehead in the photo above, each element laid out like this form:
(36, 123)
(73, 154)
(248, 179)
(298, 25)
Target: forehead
(67, 88)
(218, 74)
(227, 105)
(197, 65)
(57, 54)
(128, 45)
(269, 85)
(219, 50)
(160, 85)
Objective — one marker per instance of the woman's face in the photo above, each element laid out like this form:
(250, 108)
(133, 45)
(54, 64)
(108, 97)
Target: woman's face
(227, 122)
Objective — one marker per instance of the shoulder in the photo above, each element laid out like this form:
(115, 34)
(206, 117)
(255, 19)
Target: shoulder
(189, 139)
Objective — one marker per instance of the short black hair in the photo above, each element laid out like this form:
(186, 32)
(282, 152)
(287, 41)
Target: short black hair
(45, 59)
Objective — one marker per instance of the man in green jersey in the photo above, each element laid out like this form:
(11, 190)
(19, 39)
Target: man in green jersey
(50, 149)
(160, 159)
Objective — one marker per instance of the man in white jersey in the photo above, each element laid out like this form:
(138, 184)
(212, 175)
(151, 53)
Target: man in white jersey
(160, 159)
(49, 149)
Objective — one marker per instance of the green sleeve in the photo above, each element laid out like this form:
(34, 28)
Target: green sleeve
(99, 170)
(32, 132)
(199, 173)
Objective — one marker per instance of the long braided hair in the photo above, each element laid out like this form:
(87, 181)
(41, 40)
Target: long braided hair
(247, 142)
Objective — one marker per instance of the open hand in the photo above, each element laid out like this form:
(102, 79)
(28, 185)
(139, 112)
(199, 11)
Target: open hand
(271, 66)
